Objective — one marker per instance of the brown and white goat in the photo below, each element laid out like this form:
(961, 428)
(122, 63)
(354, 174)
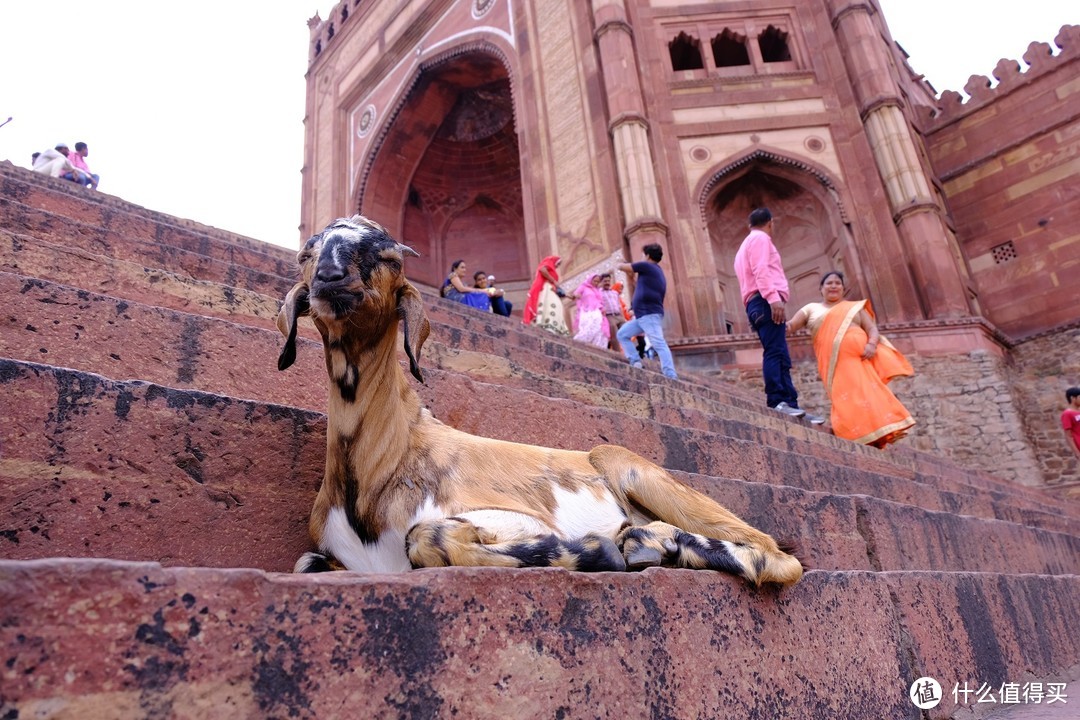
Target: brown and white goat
(401, 490)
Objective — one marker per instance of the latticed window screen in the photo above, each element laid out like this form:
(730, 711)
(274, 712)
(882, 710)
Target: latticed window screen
(1004, 252)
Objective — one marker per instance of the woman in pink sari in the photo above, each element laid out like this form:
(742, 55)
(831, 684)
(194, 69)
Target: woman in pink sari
(855, 362)
(591, 326)
(544, 306)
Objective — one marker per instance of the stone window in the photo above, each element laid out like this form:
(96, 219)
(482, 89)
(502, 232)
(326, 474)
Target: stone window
(729, 49)
(685, 53)
(774, 45)
(765, 44)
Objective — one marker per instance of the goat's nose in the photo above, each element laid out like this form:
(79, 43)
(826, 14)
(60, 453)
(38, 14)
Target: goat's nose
(329, 272)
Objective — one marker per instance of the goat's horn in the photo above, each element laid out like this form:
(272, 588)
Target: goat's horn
(406, 250)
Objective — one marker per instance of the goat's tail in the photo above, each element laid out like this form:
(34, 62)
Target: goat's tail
(313, 562)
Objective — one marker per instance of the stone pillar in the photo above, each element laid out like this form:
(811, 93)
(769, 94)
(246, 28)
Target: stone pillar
(918, 217)
(628, 127)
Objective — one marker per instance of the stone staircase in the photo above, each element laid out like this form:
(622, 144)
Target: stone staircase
(156, 472)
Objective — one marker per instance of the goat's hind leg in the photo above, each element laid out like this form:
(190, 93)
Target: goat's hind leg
(457, 541)
(718, 531)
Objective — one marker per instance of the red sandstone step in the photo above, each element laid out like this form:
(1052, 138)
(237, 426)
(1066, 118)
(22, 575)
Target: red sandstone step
(15, 179)
(97, 638)
(126, 281)
(80, 330)
(94, 467)
(101, 210)
(34, 222)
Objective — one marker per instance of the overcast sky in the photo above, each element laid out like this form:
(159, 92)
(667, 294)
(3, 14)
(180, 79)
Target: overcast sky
(196, 108)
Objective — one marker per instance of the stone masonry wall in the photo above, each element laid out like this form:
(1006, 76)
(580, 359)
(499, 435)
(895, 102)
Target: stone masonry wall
(1043, 367)
(967, 408)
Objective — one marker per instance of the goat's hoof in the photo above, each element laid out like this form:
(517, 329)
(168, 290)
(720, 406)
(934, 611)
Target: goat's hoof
(643, 557)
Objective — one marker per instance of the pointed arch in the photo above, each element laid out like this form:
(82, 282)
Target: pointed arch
(812, 229)
(443, 171)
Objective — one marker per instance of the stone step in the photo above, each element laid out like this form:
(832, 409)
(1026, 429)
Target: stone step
(97, 333)
(34, 258)
(98, 638)
(76, 329)
(108, 211)
(188, 259)
(129, 470)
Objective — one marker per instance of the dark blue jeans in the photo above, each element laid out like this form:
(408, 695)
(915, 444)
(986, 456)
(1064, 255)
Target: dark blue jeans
(776, 362)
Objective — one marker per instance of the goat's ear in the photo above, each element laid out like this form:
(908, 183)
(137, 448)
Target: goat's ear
(414, 320)
(295, 305)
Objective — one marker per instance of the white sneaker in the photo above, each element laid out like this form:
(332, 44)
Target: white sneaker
(788, 410)
(815, 419)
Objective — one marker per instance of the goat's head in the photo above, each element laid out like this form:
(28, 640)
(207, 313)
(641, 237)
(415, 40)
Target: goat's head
(353, 286)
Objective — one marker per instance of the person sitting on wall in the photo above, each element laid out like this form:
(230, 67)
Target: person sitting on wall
(454, 287)
(54, 162)
(81, 173)
(498, 303)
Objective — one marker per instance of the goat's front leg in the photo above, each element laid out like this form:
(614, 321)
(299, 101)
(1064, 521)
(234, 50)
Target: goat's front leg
(660, 544)
(457, 541)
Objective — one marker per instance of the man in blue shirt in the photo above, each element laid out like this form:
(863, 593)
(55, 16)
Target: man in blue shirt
(648, 307)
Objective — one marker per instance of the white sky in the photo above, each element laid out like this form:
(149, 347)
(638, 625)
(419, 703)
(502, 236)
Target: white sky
(196, 108)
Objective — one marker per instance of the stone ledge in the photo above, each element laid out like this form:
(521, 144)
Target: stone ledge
(130, 639)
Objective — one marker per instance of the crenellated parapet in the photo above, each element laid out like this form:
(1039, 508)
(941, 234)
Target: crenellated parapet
(1040, 59)
(322, 32)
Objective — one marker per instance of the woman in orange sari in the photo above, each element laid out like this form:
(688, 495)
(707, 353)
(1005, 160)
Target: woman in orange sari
(855, 362)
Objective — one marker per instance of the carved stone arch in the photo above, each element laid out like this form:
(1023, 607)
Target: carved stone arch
(768, 156)
(479, 46)
(811, 231)
(445, 155)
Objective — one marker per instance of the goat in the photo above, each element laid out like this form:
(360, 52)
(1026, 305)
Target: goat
(402, 490)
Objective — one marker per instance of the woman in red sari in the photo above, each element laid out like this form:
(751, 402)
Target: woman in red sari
(544, 305)
(855, 362)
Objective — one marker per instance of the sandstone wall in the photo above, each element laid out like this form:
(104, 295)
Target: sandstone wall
(1043, 368)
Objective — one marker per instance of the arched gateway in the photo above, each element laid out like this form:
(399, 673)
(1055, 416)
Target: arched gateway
(809, 228)
(446, 174)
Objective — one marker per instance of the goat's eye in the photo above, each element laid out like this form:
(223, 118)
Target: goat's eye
(394, 263)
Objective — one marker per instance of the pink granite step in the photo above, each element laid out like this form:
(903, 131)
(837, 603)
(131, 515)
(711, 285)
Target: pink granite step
(94, 638)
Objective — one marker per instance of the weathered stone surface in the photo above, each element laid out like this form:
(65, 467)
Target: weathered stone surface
(83, 637)
(985, 628)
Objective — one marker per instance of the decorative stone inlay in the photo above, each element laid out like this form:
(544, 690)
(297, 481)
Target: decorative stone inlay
(481, 8)
(367, 121)
(700, 153)
(814, 144)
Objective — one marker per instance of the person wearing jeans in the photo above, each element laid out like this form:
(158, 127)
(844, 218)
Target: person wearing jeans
(764, 289)
(648, 307)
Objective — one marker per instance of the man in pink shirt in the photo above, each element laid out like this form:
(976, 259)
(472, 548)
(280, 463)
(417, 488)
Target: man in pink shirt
(81, 174)
(764, 288)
